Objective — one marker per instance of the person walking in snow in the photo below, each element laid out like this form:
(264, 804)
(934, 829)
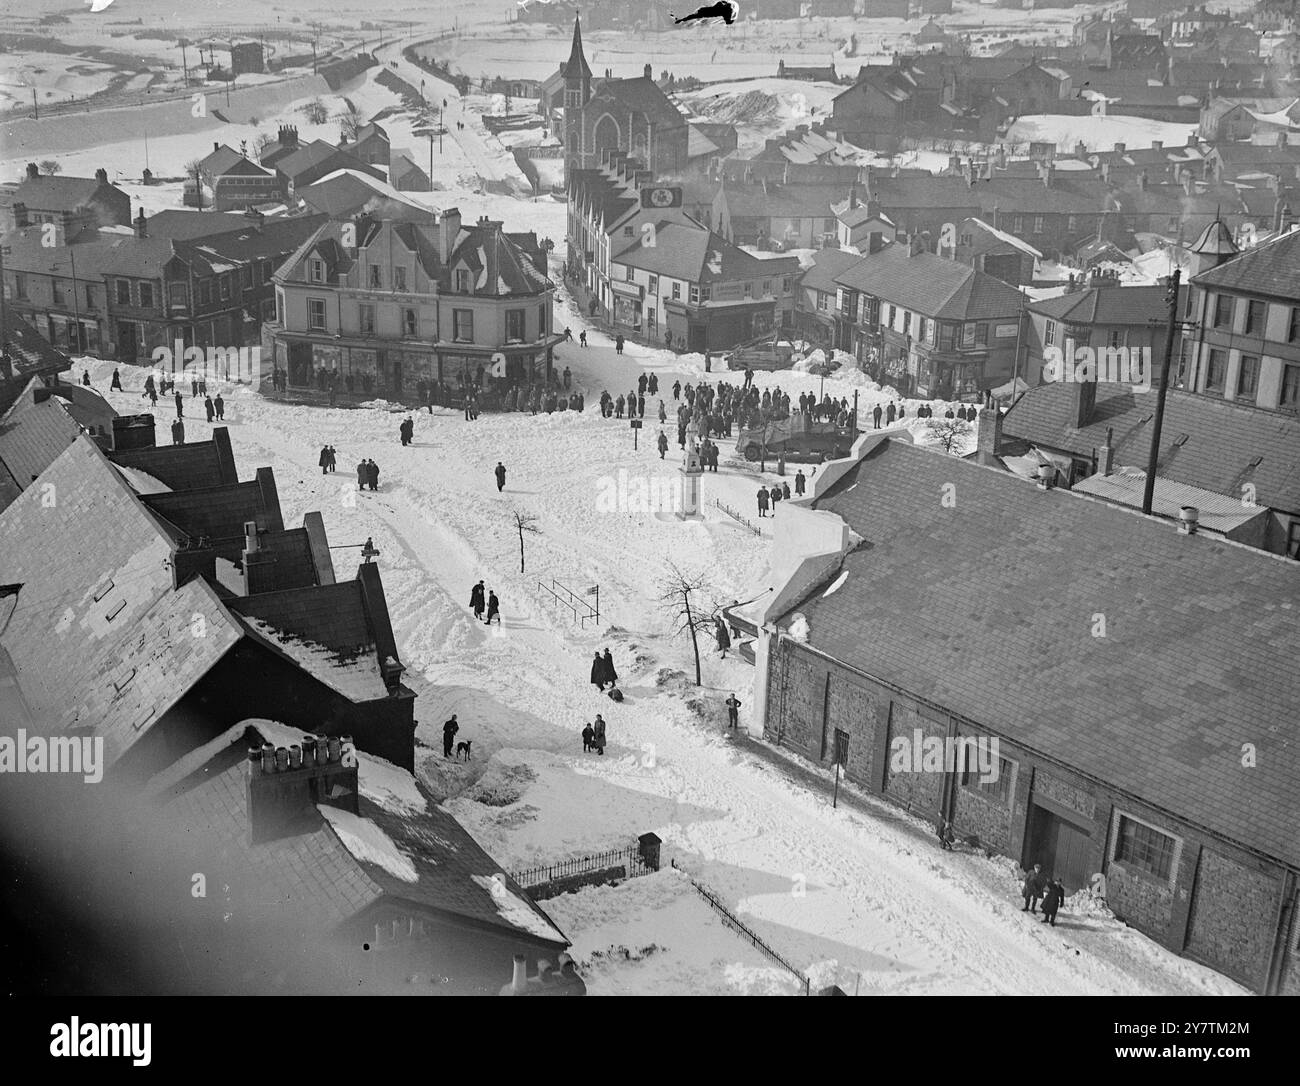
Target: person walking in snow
(618, 343)
(1032, 890)
(677, 390)
(180, 406)
(875, 415)
(776, 496)
(889, 414)
(476, 600)
(568, 377)
(582, 338)
(663, 444)
(598, 673)
(178, 432)
(568, 335)
(653, 384)
(943, 830)
(500, 473)
(407, 431)
(449, 731)
(324, 459)
(762, 501)
(598, 734)
(1052, 898)
(733, 716)
(330, 451)
(640, 407)
(588, 734)
(611, 676)
(363, 473)
(800, 481)
(785, 491)
(663, 415)
(374, 475)
(116, 382)
(493, 610)
(220, 405)
(721, 636)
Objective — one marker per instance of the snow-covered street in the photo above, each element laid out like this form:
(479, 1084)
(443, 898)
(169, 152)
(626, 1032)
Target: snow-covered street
(858, 896)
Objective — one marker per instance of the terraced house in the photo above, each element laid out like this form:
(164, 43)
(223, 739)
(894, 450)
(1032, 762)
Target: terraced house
(931, 326)
(394, 303)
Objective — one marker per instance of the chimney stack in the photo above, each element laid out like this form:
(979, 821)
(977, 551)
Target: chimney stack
(989, 437)
(1188, 519)
(133, 432)
(1107, 459)
(33, 171)
(141, 231)
(1046, 474)
(101, 175)
(1120, 148)
(1084, 396)
(285, 784)
(216, 146)
(875, 242)
(646, 72)
(449, 228)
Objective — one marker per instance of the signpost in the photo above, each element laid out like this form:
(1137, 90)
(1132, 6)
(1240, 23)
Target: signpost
(636, 431)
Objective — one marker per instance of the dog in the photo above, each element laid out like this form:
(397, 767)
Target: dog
(463, 748)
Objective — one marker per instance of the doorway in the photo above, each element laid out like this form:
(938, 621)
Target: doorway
(1062, 846)
(127, 344)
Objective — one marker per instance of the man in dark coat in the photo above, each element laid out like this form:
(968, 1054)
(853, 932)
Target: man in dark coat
(800, 481)
(449, 731)
(677, 390)
(180, 406)
(1032, 890)
(733, 704)
(1052, 898)
(588, 734)
(407, 430)
(762, 501)
(875, 415)
(208, 408)
(721, 636)
(178, 432)
(641, 382)
(324, 459)
(611, 676)
(889, 414)
(220, 405)
(493, 609)
(194, 386)
(663, 444)
(374, 475)
(500, 473)
(476, 601)
(116, 382)
(363, 474)
(598, 734)
(598, 679)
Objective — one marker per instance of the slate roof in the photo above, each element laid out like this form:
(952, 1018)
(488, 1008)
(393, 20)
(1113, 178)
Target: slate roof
(315, 874)
(219, 161)
(827, 264)
(194, 465)
(30, 352)
(34, 435)
(492, 257)
(99, 638)
(184, 225)
(610, 201)
(639, 96)
(1271, 270)
(1200, 653)
(1126, 486)
(313, 154)
(931, 285)
(698, 255)
(1223, 437)
(1106, 306)
(217, 512)
(53, 193)
(346, 192)
(800, 201)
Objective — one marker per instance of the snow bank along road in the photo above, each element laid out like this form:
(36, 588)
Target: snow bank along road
(859, 896)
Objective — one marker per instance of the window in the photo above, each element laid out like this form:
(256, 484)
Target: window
(677, 289)
(279, 308)
(795, 224)
(268, 270)
(1248, 377)
(767, 286)
(399, 277)
(146, 295)
(628, 231)
(514, 325)
(375, 282)
(541, 319)
(1038, 224)
(923, 330)
(317, 271)
(90, 296)
(462, 281)
(246, 276)
(787, 284)
(967, 240)
(695, 294)
(367, 320)
(654, 285)
(1144, 847)
(823, 301)
(1018, 224)
(892, 311)
(1072, 223)
(841, 755)
(57, 287)
(981, 335)
(1222, 311)
(1254, 318)
(224, 285)
(706, 292)
(316, 314)
(907, 322)
(1049, 334)
(1292, 332)
(1290, 395)
(20, 285)
(462, 325)
(123, 292)
(997, 790)
(1116, 337)
(749, 289)
(177, 295)
(1216, 371)
(629, 273)
(408, 323)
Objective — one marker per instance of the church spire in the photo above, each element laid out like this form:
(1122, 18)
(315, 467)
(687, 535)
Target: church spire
(577, 66)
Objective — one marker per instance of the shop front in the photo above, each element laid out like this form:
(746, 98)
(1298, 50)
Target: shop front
(629, 301)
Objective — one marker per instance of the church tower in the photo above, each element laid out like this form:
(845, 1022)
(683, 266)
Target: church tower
(577, 93)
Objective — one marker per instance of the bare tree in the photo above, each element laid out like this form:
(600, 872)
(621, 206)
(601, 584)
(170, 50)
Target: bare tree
(349, 122)
(525, 522)
(49, 166)
(948, 433)
(316, 111)
(194, 169)
(681, 599)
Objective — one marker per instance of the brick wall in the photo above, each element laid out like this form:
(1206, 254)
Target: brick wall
(917, 791)
(1233, 910)
(1066, 794)
(801, 693)
(982, 814)
(857, 711)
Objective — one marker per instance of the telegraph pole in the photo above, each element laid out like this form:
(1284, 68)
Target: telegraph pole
(1171, 299)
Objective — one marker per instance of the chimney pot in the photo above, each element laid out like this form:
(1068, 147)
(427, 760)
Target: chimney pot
(1045, 474)
(334, 748)
(295, 757)
(268, 758)
(1188, 519)
(281, 759)
(519, 983)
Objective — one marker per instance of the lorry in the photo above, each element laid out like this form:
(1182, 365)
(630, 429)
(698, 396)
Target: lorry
(797, 437)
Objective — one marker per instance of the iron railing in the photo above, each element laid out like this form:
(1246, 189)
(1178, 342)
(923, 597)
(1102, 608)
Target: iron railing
(734, 922)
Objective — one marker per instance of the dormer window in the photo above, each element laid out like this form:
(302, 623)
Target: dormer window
(462, 281)
(399, 278)
(375, 282)
(317, 271)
